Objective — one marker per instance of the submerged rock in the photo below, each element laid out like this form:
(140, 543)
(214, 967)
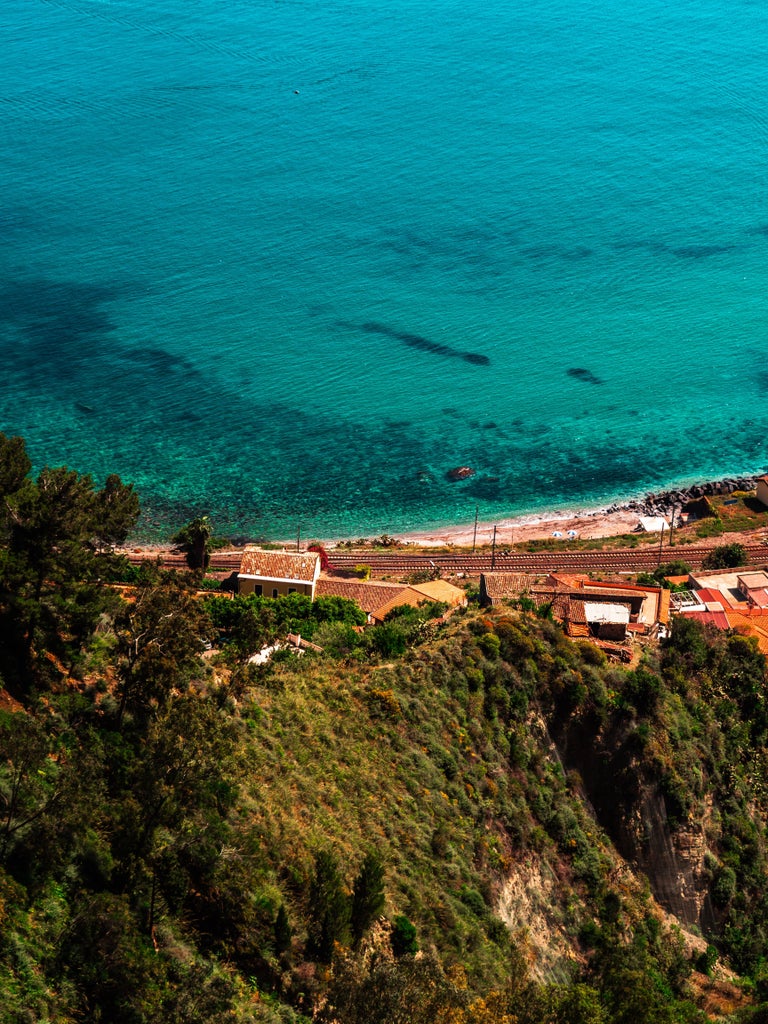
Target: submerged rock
(460, 473)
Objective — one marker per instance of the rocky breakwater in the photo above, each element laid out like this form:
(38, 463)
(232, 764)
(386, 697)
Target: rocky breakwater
(667, 502)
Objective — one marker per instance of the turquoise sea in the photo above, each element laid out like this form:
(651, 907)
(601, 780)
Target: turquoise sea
(288, 262)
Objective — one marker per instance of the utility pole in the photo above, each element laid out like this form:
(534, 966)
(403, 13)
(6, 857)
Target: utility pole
(661, 542)
(672, 526)
(298, 537)
(493, 550)
(474, 535)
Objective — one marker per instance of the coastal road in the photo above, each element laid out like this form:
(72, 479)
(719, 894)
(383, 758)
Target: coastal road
(400, 563)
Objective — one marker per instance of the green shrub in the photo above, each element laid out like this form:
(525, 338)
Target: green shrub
(724, 886)
(490, 645)
(403, 938)
(726, 556)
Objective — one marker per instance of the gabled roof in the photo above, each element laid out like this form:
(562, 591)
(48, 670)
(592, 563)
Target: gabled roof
(440, 590)
(408, 595)
(653, 524)
(499, 585)
(299, 567)
(368, 595)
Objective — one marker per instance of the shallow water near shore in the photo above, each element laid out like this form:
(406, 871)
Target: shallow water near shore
(289, 264)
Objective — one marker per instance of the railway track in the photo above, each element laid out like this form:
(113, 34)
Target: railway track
(623, 560)
(614, 560)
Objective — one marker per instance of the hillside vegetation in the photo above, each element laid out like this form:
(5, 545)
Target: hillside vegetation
(466, 821)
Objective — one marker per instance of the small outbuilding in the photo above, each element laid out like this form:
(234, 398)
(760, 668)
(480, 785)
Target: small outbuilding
(607, 621)
(761, 490)
(652, 524)
(754, 587)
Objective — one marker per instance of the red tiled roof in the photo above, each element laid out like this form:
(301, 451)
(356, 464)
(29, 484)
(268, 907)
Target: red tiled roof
(441, 590)
(566, 579)
(757, 627)
(280, 565)
(708, 595)
(718, 619)
(369, 596)
(499, 585)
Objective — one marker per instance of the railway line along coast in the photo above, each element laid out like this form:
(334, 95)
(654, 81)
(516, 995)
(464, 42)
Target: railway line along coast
(617, 560)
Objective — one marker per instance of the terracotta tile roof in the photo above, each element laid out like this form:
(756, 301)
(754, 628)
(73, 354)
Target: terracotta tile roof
(369, 596)
(499, 585)
(561, 605)
(756, 626)
(441, 590)
(409, 595)
(635, 588)
(580, 629)
(576, 613)
(664, 605)
(280, 565)
(565, 579)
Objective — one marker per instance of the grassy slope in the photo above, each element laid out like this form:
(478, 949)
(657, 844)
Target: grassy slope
(443, 762)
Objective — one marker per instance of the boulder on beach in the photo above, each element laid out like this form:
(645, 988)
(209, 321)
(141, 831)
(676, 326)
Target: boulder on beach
(460, 473)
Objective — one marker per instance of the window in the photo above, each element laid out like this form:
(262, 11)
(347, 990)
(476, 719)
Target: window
(274, 592)
(258, 590)
(291, 590)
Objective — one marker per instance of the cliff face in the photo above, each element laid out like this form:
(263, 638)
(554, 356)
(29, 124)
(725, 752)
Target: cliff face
(530, 903)
(673, 860)
(628, 804)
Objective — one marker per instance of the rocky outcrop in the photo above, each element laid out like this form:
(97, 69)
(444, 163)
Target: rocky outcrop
(672, 860)
(667, 502)
(629, 805)
(531, 904)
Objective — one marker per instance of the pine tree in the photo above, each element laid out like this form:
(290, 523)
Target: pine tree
(283, 931)
(330, 909)
(367, 895)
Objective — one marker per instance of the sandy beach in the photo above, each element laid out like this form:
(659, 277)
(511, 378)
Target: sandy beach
(581, 525)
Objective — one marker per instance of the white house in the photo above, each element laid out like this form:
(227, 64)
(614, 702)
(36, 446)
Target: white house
(278, 573)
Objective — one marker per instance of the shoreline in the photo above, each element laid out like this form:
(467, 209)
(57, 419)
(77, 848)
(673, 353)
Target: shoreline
(578, 524)
(575, 524)
(587, 524)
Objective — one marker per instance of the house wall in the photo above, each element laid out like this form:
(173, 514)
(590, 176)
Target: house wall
(615, 631)
(245, 587)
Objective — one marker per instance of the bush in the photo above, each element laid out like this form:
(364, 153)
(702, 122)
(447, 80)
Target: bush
(403, 938)
(490, 645)
(726, 556)
(724, 887)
